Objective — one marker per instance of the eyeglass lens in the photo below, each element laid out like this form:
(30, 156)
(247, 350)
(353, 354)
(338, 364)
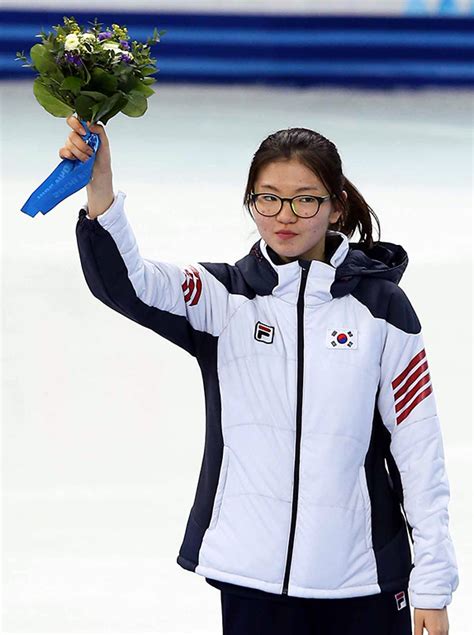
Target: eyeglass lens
(269, 205)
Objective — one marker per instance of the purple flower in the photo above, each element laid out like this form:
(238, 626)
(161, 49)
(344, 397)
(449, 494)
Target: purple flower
(105, 35)
(125, 57)
(125, 45)
(73, 59)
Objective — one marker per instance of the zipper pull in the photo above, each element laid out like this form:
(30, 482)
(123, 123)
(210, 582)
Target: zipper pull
(304, 264)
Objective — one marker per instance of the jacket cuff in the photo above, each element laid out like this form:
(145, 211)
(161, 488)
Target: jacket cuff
(116, 208)
(427, 601)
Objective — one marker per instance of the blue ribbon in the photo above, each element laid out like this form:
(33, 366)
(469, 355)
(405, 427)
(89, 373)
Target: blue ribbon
(70, 176)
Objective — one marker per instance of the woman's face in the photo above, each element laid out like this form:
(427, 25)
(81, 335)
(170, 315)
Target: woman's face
(290, 177)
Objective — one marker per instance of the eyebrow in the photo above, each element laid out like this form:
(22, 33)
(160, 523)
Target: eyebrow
(300, 189)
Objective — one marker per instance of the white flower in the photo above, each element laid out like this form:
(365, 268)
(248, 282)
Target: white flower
(87, 42)
(118, 51)
(113, 46)
(71, 42)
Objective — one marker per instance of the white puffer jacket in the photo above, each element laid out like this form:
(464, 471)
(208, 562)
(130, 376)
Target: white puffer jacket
(321, 425)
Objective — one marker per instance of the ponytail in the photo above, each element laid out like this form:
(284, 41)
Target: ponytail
(356, 215)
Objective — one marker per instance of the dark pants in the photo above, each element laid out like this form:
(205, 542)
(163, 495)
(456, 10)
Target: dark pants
(380, 614)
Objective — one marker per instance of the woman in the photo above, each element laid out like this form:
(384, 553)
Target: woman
(321, 423)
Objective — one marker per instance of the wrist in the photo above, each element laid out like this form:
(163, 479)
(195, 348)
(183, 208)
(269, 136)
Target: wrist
(99, 200)
(100, 183)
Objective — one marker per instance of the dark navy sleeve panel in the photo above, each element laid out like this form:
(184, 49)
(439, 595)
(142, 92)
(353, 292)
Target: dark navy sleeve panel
(107, 278)
(401, 312)
(385, 299)
(179, 302)
(231, 278)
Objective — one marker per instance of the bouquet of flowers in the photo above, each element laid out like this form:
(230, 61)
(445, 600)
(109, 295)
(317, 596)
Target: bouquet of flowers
(95, 73)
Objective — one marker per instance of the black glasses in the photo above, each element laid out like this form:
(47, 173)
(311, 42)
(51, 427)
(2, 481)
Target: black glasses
(303, 206)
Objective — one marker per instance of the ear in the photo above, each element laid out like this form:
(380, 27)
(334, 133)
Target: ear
(344, 196)
(338, 209)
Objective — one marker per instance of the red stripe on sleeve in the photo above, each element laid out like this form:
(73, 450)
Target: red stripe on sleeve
(403, 415)
(419, 371)
(401, 403)
(398, 380)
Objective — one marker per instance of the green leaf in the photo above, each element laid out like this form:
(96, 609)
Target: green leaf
(136, 106)
(148, 70)
(115, 110)
(128, 83)
(94, 110)
(49, 102)
(149, 80)
(110, 107)
(93, 94)
(72, 83)
(85, 70)
(103, 81)
(144, 90)
(57, 74)
(123, 69)
(42, 59)
(83, 107)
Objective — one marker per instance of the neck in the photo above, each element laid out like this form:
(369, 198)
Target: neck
(309, 255)
(329, 246)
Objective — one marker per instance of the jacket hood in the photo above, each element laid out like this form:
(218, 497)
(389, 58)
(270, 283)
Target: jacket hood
(347, 263)
(383, 260)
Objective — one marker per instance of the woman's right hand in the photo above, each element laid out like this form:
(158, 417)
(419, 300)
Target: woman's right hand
(76, 148)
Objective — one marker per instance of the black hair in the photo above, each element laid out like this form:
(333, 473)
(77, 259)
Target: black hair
(321, 156)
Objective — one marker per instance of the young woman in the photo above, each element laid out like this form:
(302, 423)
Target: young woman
(323, 452)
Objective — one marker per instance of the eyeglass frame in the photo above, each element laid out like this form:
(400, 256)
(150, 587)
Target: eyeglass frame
(320, 199)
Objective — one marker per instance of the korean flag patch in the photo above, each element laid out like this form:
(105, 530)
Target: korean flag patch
(341, 338)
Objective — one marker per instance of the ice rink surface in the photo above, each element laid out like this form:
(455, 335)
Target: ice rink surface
(103, 420)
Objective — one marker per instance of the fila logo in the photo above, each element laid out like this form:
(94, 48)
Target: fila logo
(192, 286)
(264, 333)
(346, 338)
(407, 384)
(400, 600)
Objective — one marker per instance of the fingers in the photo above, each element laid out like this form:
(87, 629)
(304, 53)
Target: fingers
(97, 127)
(100, 130)
(418, 623)
(76, 124)
(66, 154)
(76, 148)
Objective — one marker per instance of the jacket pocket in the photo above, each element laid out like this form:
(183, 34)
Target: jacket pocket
(367, 506)
(220, 488)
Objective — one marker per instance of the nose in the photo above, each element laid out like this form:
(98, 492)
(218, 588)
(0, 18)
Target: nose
(287, 213)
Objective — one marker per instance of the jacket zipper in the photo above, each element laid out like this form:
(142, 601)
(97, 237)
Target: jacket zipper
(299, 402)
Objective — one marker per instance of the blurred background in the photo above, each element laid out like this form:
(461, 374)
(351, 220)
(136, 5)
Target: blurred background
(349, 43)
(102, 420)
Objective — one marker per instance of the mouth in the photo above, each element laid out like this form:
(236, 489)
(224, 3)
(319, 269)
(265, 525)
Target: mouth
(285, 234)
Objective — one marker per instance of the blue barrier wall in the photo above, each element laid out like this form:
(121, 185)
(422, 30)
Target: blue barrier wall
(363, 51)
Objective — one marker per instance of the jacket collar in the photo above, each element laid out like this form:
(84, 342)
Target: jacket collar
(321, 275)
(349, 264)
